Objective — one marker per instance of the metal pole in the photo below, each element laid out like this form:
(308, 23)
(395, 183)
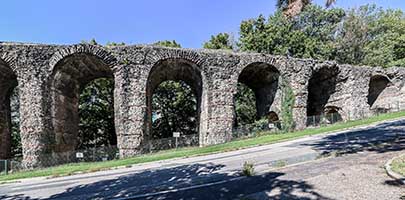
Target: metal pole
(176, 142)
(6, 166)
(95, 146)
(398, 106)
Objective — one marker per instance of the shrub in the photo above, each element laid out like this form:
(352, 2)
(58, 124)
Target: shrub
(248, 169)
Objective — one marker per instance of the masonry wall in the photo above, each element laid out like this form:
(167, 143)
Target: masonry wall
(213, 74)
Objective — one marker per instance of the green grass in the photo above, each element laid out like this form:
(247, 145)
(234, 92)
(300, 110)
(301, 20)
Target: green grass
(69, 169)
(398, 165)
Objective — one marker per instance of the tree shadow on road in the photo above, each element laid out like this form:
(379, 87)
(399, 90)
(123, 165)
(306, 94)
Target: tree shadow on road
(177, 179)
(383, 138)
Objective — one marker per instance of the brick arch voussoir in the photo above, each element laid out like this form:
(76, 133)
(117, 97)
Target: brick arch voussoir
(156, 55)
(94, 50)
(10, 62)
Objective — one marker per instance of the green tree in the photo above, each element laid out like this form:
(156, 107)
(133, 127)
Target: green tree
(220, 41)
(113, 44)
(245, 105)
(168, 43)
(96, 112)
(174, 108)
(355, 34)
(287, 104)
(387, 44)
(309, 35)
(92, 42)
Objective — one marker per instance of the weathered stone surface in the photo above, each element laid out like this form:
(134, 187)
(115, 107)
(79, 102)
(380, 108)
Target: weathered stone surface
(50, 77)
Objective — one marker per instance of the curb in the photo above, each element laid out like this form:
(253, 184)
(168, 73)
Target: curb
(398, 177)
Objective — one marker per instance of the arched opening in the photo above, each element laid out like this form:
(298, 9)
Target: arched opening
(273, 120)
(273, 117)
(174, 109)
(82, 107)
(10, 140)
(321, 86)
(377, 85)
(257, 88)
(174, 92)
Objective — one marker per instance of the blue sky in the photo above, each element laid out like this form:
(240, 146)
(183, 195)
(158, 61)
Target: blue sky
(190, 22)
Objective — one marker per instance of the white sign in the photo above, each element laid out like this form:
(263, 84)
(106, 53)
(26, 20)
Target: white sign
(176, 134)
(79, 155)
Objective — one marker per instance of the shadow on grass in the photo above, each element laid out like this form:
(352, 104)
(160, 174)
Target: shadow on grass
(383, 138)
(187, 176)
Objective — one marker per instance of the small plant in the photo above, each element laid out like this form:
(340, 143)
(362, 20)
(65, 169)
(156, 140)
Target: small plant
(260, 125)
(287, 104)
(280, 163)
(248, 169)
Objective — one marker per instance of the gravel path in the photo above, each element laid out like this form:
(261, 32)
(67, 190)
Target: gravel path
(355, 176)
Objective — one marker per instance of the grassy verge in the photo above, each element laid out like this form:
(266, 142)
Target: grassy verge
(398, 165)
(69, 169)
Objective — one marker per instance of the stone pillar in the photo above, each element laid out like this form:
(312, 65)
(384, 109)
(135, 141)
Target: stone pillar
(220, 110)
(35, 133)
(5, 125)
(130, 108)
(297, 76)
(356, 106)
(300, 107)
(65, 114)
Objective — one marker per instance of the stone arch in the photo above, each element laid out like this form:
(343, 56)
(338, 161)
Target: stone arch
(176, 69)
(273, 117)
(8, 81)
(70, 74)
(322, 85)
(263, 79)
(158, 54)
(87, 49)
(377, 84)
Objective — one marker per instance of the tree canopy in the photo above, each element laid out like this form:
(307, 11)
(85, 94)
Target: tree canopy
(365, 36)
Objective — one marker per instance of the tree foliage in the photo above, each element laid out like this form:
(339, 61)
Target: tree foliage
(174, 106)
(168, 43)
(309, 35)
(220, 41)
(96, 112)
(287, 104)
(245, 105)
(367, 35)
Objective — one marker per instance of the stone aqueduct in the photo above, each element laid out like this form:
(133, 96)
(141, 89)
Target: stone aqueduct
(49, 78)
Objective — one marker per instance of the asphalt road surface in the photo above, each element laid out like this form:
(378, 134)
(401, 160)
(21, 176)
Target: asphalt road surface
(342, 165)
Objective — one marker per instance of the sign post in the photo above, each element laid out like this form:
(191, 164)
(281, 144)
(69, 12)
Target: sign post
(79, 156)
(176, 135)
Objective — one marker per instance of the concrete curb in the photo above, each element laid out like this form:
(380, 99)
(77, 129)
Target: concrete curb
(398, 177)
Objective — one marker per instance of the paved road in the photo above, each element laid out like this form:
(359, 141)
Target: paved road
(217, 176)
